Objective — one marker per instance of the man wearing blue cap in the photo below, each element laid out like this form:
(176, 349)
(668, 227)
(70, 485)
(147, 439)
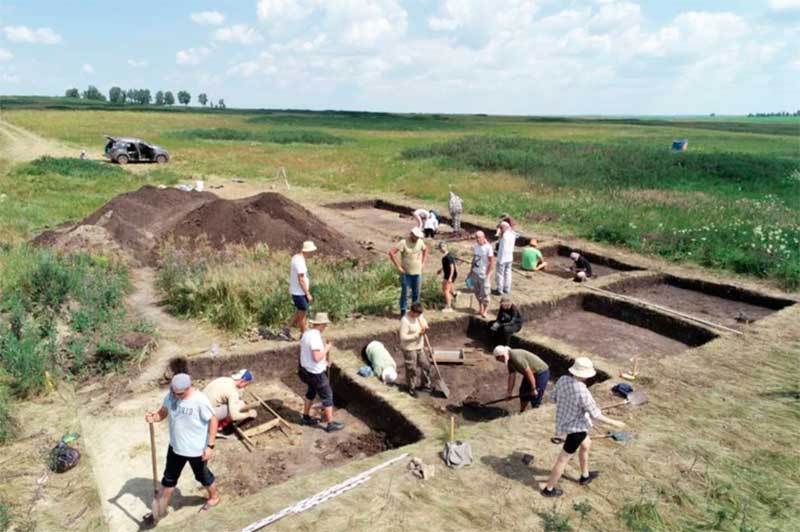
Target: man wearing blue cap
(192, 432)
(223, 392)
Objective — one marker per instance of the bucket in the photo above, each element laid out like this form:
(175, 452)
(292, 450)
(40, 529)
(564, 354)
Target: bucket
(198, 185)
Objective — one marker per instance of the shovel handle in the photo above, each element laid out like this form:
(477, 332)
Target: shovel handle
(615, 405)
(153, 457)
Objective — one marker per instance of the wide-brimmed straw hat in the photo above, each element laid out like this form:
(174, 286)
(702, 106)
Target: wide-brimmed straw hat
(417, 232)
(583, 368)
(321, 318)
(308, 246)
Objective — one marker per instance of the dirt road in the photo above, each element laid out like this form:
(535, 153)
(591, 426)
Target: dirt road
(19, 145)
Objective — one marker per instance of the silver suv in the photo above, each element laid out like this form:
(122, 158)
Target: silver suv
(123, 150)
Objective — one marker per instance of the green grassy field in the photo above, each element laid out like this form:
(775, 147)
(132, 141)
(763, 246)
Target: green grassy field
(731, 202)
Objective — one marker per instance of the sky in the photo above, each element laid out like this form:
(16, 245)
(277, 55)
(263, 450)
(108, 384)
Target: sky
(524, 57)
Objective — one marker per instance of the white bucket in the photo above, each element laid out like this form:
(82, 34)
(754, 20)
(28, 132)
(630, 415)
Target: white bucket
(198, 185)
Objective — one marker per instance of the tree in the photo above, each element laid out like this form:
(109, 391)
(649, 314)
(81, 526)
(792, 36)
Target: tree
(131, 95)
(202, 98)
(184, 97)
(221, 104)
(160, 98)
(169, 98)
(92, 93)
(72, 93)
(146, 97)
(116, 95)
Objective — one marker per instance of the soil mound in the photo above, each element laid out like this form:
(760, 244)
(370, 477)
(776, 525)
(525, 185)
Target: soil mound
(268, 218)
(136, 223)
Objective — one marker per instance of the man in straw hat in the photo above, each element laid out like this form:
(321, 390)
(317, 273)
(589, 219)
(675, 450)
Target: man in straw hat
(314, 362)
(574, 408)
(413, 254)
(223, 393)
(300, 288)
(192, 431)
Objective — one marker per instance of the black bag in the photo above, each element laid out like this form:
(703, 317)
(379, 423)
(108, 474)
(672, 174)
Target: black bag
(63, 457)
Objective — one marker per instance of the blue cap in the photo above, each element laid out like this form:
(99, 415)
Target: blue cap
(242, 375)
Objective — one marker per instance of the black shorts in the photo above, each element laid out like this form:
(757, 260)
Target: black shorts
(300, 302)
(573, 441)
(429, 233)
(175, 465)
(317, 385)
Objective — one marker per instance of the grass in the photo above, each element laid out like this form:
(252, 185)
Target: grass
(277, 136)
(359, 120)
(49, 191)
(239, 288)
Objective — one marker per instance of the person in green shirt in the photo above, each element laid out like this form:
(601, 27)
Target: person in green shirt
(532, 258)
(535, 375)
(381, 361)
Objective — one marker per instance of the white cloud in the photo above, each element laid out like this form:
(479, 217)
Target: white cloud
(5, 55)
(87, 68)
(30, 35)
(286, 10)
(244, 70)
(9, 74)
(783, 6)
(137, 64)
(240, 33)
(192, 56)
(210, 18)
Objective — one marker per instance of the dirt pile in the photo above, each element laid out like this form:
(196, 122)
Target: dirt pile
(138, 222)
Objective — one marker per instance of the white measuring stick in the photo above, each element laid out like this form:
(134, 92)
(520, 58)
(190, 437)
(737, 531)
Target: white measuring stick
(322, 496)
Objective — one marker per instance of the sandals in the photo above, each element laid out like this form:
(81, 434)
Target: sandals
(207, 506)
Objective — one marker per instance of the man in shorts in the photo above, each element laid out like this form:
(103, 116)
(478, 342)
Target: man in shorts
(314, 364)
(575, 407)
(535, 375)
(413, 254)
(481, 271)
(300, 288)
(449, 276)
(192, 432)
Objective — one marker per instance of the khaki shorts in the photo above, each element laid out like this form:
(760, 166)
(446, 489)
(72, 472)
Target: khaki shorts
(481, 287)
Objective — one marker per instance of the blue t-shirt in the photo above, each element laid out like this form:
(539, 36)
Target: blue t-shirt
(188, 423)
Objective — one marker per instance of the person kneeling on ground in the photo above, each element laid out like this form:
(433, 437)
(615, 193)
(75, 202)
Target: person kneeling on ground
(192, 431)
(223, 393)
(532, 258)
(314, 363)
(574, 407)
(431, 225)
(381, 361)
(535, 375)
(508, 322)
(449, 273)
(413, 327)
(581, 267)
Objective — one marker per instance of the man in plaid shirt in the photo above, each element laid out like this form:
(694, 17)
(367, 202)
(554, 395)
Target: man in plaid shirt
(575, 407)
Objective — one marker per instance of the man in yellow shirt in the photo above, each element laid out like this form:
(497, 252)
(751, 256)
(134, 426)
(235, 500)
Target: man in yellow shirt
(413, 254)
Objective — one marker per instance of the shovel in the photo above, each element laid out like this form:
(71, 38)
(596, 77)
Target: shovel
(442, 385)
(637, 398)
(473, 403)
(155, 506)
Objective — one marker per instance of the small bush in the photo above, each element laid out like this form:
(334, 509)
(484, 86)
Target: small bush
(641, 516)
(552, 521)
(7, 423)
(69, 167)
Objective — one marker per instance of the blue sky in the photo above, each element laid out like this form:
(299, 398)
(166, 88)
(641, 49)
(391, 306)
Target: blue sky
(460, 56)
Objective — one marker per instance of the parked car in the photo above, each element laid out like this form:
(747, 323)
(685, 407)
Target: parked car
(123, 150)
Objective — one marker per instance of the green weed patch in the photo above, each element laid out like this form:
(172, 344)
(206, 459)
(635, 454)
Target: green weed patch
(360, 120)
(69, 167)
(277, 136)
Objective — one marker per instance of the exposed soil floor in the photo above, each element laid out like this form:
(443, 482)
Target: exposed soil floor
(558, 265)
(710, 307)
(613, 339)
(276, 458)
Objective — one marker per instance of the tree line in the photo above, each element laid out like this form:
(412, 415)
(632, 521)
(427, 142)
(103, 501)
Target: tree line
(119, 96)
(776, 113)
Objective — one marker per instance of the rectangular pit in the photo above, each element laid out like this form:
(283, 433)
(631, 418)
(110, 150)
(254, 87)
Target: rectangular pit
(723, 304)
(371, 424)
(558, 262)
(615, 329)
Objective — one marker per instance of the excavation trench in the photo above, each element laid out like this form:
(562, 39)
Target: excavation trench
(724, 304)
(558, 262)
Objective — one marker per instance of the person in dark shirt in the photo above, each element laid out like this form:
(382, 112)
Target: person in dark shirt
(581, 267)
(449, 276)
(508, 322)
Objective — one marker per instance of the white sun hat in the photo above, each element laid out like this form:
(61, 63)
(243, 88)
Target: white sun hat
(583, 368)
(501, 350)
(308, 246)
(389, 375)
(417, 232)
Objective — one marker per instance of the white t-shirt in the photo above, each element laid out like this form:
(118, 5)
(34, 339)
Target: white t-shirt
(298, 267)
(431, 223)
(480, 259)
(505, 253)
(310, 342)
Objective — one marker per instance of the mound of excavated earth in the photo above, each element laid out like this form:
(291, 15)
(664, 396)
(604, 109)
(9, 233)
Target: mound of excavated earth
(138, 222)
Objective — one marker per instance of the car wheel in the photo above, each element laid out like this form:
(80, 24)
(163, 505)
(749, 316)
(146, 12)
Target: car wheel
(161, 159)
(122, 159)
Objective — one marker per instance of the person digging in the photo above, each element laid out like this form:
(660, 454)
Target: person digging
(575, 407)
(314, 363)
(413, 255)
(508, 322)
(300, 289)
(413, 327)
(223, 393)
(581, 267)
(192, 431)
(449, 276)
(535, 375)
(381, 361)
